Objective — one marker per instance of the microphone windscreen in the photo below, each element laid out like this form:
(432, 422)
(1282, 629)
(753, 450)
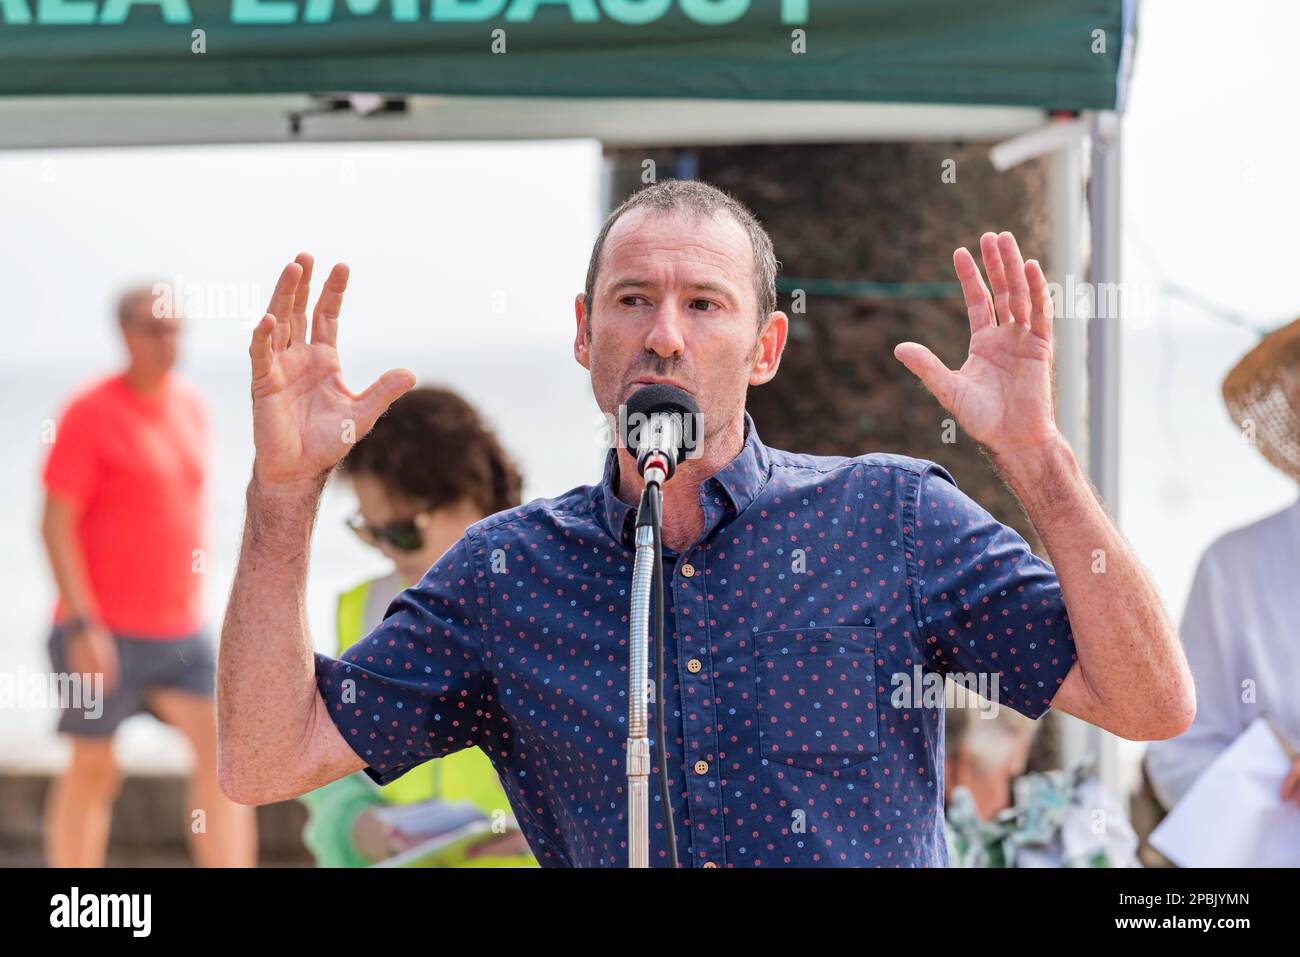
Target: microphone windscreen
(660, 397)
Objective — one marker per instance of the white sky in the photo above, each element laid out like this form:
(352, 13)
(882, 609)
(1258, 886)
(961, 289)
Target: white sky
(1211, 142)
(437, 237)
(1210, 202)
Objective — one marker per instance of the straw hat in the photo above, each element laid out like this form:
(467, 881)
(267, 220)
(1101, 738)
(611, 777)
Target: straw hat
(1262, 393)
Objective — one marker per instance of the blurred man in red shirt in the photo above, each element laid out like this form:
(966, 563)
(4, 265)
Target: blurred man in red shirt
(125, 527)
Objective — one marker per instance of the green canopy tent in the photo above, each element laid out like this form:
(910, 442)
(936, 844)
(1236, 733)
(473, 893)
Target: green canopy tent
(1050, 54)
(629, 73)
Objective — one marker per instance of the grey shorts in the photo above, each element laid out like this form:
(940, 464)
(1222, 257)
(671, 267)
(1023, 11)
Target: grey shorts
(144, 664)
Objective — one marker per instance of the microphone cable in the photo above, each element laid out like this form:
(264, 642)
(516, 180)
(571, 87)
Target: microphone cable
(653, 496)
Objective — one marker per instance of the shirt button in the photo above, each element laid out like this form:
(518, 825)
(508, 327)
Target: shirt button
(701, 767)
(694, 666)
(709, 864)
(688, 570)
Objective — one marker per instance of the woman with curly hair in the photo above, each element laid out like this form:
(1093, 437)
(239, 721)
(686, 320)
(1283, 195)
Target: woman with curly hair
(413, 505)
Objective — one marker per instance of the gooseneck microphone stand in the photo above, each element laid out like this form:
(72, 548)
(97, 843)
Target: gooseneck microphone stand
(647, 590)
(660, 442)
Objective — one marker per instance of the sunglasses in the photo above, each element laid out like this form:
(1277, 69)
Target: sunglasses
(405, 536)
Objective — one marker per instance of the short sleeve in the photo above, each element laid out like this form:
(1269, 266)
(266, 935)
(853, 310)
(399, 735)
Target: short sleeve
(990, 611)
(412, 689)
(73, 467)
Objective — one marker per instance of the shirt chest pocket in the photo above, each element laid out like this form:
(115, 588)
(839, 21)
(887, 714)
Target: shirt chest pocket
(816, 697)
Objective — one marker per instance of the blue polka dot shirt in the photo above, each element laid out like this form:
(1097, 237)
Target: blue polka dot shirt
(807, 635)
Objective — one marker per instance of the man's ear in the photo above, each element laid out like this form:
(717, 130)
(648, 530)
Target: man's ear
(768, 348)
(581, 342)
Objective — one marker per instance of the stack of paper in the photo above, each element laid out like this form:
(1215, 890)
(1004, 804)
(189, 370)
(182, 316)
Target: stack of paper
(1234, 815)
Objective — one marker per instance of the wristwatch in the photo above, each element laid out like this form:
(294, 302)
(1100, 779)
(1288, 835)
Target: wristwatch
(77, 625)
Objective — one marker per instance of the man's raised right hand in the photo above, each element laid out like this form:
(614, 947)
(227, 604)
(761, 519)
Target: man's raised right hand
(304, 418)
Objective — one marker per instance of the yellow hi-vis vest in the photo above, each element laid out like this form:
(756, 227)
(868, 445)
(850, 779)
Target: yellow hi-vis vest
(467, 775)
(464, 776)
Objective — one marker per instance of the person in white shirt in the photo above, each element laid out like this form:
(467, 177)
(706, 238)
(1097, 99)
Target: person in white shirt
(1241, 626)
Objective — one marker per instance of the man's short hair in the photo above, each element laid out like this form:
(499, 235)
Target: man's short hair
(702, 200)
(132, 299)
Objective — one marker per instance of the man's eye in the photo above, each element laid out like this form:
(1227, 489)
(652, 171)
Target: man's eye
(632, 300)
(704, 305)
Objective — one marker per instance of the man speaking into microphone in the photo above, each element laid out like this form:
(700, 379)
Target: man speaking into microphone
(796, 587)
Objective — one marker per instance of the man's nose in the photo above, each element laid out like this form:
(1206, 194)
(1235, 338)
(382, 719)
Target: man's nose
(665, 335)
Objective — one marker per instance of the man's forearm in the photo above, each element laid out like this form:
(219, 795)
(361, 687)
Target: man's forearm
(266, 687)
(1129, 655)
(69, 573)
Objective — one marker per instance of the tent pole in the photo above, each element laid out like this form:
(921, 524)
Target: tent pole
(1087, 338)
(1065, 179)
(1104, 357)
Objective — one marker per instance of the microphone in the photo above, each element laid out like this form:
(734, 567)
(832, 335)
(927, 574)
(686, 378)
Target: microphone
(661, 423)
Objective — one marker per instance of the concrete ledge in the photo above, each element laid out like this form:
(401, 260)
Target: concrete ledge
(150, 818)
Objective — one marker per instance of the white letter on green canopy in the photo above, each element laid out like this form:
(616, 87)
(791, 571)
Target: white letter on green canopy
(715, 12)
(582, 11)
(64, 11)
(466, 11)
(16, 11)
(173, 11)
(322, 11)
(258, 11)
(635, 11)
